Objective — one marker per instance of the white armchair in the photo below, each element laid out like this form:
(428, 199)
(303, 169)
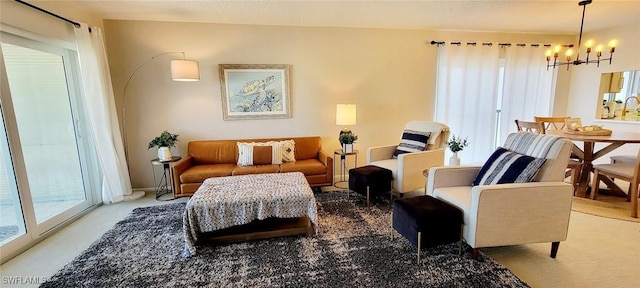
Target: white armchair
(407, 169)
(511, 214)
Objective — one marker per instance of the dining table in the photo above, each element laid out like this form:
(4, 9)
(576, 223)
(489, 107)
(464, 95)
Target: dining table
(588, 151)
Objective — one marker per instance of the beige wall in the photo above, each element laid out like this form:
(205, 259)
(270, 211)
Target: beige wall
(389, 74)
(585, 81)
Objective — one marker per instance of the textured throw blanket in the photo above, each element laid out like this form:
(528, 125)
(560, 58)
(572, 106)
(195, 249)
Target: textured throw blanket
(222, 202)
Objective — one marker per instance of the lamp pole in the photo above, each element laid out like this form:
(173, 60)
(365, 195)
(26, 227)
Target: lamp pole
(123, 106)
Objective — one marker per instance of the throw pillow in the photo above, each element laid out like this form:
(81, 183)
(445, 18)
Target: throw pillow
(505, 166)
(288, 150)
(259, 154)
(412, 141)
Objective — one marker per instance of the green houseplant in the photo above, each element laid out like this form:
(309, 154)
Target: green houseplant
(164, 142)
(456, 144)
(346, 140)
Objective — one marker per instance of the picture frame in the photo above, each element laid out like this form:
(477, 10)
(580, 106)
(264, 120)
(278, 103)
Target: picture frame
(255, 91)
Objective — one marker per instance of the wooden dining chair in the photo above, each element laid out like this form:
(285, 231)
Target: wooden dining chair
(629, 172)
(534, 127)
(552, 123)
(559, 123)
(623, 159)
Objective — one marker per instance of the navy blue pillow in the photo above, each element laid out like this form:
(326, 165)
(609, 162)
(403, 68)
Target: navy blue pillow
(505, 166)
(412, 141)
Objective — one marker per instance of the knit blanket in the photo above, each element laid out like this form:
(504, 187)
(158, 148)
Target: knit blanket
(223, 202)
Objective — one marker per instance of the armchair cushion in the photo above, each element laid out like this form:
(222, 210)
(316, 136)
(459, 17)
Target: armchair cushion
(505, 166)
(412, 141)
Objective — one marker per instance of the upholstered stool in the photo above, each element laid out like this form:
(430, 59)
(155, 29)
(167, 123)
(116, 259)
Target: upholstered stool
(426, 221)
(370, 179)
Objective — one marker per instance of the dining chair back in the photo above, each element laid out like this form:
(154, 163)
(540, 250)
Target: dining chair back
(527, 126)
(629, 172)
(552, 123)
(559, 123)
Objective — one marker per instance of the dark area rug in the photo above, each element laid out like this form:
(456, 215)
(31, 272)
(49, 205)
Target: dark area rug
(353, 248)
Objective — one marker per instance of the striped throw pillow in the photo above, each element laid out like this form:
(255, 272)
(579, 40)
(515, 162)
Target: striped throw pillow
(505, 166)
(412, 141)
(259, 153)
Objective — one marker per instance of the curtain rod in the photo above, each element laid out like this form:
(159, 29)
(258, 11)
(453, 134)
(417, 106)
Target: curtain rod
(76, 24)
(458, 43)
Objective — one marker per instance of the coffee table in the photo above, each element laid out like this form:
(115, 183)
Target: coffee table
(248, 207)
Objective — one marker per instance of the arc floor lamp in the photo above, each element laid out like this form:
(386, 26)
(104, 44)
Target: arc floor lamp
(181, 70)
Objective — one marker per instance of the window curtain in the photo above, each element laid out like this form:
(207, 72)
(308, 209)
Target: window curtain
(466, 99)
(99, 102)
(528, 88)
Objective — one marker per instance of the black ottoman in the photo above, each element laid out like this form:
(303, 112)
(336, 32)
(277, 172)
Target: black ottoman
(370, 179)
(426, 221)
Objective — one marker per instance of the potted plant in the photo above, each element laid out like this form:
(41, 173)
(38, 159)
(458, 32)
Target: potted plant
(164, 142)
(456, 144)
(346, 140)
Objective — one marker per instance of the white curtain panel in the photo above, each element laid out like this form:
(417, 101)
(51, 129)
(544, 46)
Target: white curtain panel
(99, 102)
(528, 87)
(466, 97)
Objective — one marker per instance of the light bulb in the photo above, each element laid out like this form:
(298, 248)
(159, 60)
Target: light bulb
(569, 52)
(613, 43)
(557, 48)
(599, 48)
(588, 43)
(548, 53)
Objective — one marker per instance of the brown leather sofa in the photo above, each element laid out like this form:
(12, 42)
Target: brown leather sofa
(216, 158)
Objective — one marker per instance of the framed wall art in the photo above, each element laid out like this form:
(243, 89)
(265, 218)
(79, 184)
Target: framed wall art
(255, 91)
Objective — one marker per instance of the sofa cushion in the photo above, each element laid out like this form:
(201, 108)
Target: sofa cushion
(504, 166)
(307, 167)
(255, 169)
(197, 174)
(412, 141)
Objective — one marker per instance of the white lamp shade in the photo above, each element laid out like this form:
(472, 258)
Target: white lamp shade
(185, 70)
(346, 114)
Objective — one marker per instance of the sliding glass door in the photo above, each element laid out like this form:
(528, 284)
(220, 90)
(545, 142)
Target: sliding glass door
(45, 173)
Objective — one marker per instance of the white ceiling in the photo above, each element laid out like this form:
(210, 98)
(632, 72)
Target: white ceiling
(533, 16)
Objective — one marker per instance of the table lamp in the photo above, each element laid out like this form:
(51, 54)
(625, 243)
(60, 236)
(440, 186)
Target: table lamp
(345, 115)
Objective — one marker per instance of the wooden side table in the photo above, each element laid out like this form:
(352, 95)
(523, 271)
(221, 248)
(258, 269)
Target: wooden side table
(163, 186)
(343, 166)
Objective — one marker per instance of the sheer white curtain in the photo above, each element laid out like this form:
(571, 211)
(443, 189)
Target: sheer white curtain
(101, 108)
(466, 97)
(528, 87)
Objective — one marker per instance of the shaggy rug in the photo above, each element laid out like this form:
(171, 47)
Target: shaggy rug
(353, 248)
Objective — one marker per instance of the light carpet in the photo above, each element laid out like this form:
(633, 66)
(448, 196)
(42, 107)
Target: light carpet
(353, 248)
(605, 206)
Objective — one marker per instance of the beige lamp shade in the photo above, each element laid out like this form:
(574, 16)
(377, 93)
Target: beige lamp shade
(346, 114)
(185, 70)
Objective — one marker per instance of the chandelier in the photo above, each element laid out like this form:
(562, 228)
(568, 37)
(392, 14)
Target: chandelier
(588, 44)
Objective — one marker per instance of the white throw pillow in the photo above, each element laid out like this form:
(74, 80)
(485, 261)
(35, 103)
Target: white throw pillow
(288, 150)
(248, 156)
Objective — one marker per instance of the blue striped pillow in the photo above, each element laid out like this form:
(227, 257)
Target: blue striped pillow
(505, 166)
(412, 141)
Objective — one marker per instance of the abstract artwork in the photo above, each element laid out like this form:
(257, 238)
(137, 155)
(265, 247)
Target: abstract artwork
(254, 91)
